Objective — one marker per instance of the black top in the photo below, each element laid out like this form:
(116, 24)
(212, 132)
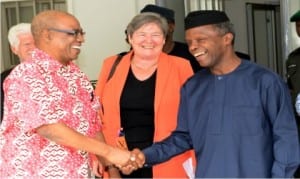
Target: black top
(181, 50)
(4, 74)
(137, 110)
(137, 116)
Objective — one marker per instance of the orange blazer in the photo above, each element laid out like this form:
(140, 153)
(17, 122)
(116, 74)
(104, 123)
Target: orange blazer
(172, 72)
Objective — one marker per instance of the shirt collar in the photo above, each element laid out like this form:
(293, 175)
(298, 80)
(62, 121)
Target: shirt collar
(50, 64)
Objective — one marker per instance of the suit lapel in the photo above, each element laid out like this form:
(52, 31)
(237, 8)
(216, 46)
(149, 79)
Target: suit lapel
(119, 79)
(163, 75)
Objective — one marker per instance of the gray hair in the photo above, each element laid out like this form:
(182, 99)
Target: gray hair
(145, 18)
(15, 31)
(224, 28)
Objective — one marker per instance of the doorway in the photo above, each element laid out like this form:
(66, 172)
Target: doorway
(264, 36)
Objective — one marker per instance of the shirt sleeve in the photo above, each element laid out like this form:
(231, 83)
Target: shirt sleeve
(178, 142)
(279, 109)
(27, 99)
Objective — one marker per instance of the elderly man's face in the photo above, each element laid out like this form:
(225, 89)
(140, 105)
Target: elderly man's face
(25, 47)
(66, 39)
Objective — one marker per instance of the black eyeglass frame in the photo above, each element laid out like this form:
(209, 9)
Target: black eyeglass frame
(74, 32)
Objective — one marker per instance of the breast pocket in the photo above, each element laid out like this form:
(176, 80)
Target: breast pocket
(247, 120)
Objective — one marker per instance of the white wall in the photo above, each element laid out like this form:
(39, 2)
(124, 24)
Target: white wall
(104, 22)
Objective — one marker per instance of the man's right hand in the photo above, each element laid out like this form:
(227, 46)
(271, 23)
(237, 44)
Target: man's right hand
(137, 160)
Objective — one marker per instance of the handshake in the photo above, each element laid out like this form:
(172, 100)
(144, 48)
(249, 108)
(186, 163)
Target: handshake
(126, 161)
(135, 161)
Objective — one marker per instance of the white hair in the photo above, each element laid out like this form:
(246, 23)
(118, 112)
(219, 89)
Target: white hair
(15, 31)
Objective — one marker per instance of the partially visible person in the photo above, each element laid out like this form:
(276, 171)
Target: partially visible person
(140, 101)
(297, 105)
(242, 55)
(293, 72)
(293, 64)
(235, 114)
(171, 46)
(21, 43)
(50, 124)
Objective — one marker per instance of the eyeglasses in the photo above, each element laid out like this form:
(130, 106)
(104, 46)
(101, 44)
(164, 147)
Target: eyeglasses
(73, 33)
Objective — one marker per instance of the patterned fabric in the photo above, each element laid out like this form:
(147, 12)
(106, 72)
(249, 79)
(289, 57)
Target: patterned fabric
(38, 92)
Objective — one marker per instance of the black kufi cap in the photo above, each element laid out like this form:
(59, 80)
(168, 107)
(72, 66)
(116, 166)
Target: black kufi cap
(164, 12)
(295, 17)
(204, 17)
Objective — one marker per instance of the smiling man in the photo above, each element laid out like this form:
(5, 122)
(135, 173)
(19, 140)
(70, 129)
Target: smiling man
(236, 115)
(50, 124)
